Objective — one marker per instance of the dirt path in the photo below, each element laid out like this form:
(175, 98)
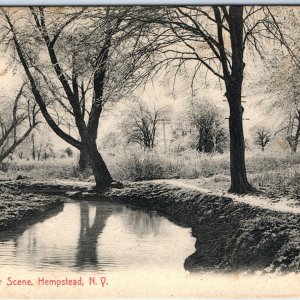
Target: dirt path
(281, 204)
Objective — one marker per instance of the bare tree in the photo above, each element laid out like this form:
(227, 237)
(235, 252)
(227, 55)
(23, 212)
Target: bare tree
(42, 146)
(17, 120)
(283, 86)
(71, 68)
(140, 123)
(262, 138)
(214, 38)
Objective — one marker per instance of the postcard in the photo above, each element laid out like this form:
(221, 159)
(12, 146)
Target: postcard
(149, 151)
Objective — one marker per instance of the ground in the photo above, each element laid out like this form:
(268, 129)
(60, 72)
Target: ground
(16, 206)
(253, 232)
(274, 174)
(233, 233)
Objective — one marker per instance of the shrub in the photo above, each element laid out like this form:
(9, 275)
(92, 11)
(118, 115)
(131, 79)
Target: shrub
(137, 168)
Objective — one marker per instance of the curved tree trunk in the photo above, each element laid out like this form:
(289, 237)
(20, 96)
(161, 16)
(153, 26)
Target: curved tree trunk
(88, 132)
(297, 135)
(102, 176)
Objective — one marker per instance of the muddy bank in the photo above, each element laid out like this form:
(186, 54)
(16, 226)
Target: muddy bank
(231, 235)
(17, 207)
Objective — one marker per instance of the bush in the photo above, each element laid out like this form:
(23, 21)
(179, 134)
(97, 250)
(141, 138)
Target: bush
(136, 164)
(137, 168)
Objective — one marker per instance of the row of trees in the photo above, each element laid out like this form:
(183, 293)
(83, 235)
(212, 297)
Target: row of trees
(75, 60)
(203, 123)
(205, 120)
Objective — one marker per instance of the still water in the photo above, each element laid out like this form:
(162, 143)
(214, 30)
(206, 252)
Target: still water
(105, 237)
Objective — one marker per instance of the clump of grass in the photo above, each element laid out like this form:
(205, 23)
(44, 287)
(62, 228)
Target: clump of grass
(275, 173)
(136, 168)
(258, 161)
(4, 167)
(136, 164)
(144, 168)
(41, 170)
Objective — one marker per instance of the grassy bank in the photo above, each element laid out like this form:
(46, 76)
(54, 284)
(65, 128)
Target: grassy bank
(16, 207)
(274, 173)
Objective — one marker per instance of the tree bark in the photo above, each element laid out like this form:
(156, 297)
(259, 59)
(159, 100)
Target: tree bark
(239, 181)
(83, 163)
(234, 83)
(297, 135)
(33, 147)
(90, 151)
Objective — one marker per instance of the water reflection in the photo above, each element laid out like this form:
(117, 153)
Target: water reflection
(142, 223)
(13, 233)
(87, 254)
(97, 236)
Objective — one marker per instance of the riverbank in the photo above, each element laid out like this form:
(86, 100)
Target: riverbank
(17, 207)
(233, 233)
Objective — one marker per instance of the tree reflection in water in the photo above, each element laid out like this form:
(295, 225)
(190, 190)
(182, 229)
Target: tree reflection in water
(96, 236)
(141, 223)
(87, 255)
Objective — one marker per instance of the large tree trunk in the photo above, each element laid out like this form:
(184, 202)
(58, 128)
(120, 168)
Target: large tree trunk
(239, 181)
(234, 83)
(102, 176)
(83, 163)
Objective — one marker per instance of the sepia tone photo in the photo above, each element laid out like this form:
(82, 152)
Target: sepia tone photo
(149, 151)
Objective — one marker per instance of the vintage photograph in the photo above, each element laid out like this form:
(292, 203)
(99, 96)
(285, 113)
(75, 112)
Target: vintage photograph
(149, 151)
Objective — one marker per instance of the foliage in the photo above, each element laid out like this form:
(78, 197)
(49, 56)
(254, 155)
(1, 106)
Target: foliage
(40, 170)
(137, 168)
(208, 121)
(140, 123)
(69, 152)
(262, 137)
(283, 85)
